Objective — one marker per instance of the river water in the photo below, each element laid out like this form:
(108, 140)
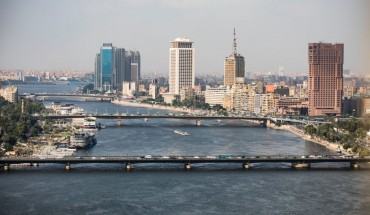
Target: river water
(168, 189)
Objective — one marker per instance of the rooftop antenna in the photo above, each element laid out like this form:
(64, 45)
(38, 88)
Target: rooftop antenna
(234, 44)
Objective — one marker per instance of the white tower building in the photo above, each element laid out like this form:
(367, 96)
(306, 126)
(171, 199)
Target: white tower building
(182, 65)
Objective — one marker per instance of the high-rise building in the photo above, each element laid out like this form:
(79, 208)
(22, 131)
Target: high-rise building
(134, 72)
(128, 61)
(119, 55)
(132, 66)
(97, 72)
(325, 78)
(107, 66)
(136, 59)
(182, 63)
(234, 66)
(114, 65)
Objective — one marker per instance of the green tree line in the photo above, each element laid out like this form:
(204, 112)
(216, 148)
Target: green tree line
(17, 126)
(345, 132)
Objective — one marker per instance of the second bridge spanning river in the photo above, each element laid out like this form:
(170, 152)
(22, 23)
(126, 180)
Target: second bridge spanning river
(187, 161)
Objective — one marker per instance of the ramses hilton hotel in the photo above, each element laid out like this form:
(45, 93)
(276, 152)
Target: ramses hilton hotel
(325, 78)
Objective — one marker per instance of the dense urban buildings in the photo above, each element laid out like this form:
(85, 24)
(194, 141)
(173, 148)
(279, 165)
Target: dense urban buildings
(182, 63)
(325, 78)
(234, 67)
(10, 93)
(115, 65)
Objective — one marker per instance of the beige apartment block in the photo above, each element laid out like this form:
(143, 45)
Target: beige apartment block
(215, 95)
(10, 93)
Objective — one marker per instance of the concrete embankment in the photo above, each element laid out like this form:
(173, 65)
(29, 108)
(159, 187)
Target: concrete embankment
(299, 132)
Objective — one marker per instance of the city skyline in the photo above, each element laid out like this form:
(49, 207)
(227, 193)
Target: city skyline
(60, 35)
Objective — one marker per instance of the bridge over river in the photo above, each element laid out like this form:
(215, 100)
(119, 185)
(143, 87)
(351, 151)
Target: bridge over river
(73, 95)
(197, 118)
(187, 161)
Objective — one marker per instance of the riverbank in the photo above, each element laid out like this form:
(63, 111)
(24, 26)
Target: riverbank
(154, 106)
(331, 146)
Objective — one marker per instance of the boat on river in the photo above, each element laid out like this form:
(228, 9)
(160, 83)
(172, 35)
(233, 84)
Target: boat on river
(82, 140)
(184, 133)
(338, 150)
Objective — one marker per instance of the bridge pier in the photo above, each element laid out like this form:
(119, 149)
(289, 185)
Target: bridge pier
(246, 166)
(128, 166)
(301, 165)
(355, 165)
(187, 166)
(264, 123)
(68, 166)
(197, 122)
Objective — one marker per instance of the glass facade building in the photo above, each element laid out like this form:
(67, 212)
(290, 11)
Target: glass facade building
(106, 53)
(113, 66)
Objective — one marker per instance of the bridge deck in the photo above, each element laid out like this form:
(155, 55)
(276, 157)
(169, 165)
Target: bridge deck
(153, 116)
(178, 159)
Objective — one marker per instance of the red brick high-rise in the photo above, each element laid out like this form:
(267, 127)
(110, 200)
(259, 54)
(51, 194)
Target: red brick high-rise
(325, 78)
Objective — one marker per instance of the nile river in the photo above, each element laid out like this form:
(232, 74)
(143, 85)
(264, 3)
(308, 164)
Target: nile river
(168, 189)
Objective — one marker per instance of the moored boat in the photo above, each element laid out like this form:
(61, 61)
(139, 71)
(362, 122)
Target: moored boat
(81, 140)
(338, 150)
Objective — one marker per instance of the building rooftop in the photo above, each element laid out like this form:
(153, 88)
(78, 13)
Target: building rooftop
(184, 39)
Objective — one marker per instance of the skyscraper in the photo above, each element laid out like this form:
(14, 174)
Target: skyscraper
(136, 59)
(234, 69)
(182, 63)
(97, 72)
(106, 67)
(325, 78)
(114, 65)
(128, 60)
(119, 55)
(132, 66)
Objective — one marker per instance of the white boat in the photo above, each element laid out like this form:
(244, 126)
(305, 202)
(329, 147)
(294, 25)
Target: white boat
(338, 150)
(145, 119)
(89, 124)
(82, 140)
(181, 132)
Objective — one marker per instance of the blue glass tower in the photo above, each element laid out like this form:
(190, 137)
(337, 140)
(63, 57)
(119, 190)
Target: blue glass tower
(113, 66)
(107, 64)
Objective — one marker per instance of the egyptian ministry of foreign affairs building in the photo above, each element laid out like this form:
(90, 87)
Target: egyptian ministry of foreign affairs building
(182, 65)
(325, 78)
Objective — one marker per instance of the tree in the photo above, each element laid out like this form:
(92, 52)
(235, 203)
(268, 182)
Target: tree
(8, 147)
(88, 88)
(361, 133)
(310, 130)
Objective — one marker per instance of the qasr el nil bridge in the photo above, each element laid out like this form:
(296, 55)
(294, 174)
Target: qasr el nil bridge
(42, 96)
(198, 118)
(127, 161)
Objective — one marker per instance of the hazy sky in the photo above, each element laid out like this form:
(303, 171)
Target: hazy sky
(62, 34)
